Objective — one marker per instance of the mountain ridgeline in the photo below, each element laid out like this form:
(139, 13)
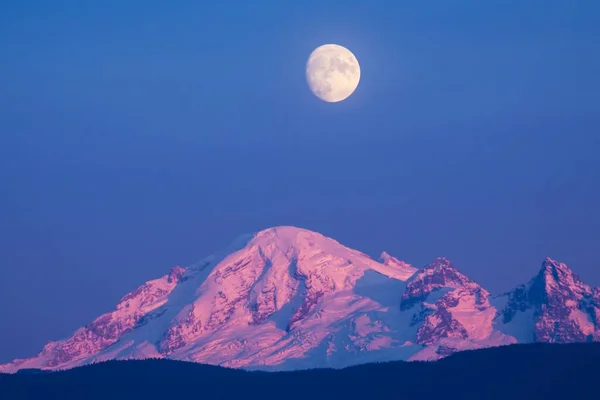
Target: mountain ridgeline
(290, 299)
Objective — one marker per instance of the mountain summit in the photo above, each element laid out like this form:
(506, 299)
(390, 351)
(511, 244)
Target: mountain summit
(287, 298)
(559, 307)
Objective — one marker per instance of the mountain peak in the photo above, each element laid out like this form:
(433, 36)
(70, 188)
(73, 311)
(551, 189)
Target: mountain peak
(441, 263)
(439, 274)
(284, 231)
(289, 236)
(550, 260)
(385, 256)
(443, 272)
(551, 265)
(278, 236)
(554, 275)
(393, 262)
(566, 309)
(175, 273)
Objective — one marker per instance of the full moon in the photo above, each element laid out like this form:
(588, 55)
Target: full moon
(332, 72)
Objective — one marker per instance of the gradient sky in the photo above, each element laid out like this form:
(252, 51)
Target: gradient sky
(139, 135)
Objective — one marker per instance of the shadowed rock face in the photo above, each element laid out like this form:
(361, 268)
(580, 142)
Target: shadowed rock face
(443, 326)
(287, 298)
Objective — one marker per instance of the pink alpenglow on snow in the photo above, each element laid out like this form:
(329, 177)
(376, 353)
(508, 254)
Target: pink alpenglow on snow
(287, 298)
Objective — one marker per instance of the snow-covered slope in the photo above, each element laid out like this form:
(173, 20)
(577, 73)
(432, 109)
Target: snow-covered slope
(287, 298)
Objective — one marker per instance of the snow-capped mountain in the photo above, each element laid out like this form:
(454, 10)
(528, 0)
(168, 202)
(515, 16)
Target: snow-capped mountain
(555, 307)
(287, 298)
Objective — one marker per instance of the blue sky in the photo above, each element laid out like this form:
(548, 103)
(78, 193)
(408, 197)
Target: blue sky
(139, 135)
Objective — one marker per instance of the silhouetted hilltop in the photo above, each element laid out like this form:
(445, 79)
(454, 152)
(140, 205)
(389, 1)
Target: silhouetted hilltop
(531, 371)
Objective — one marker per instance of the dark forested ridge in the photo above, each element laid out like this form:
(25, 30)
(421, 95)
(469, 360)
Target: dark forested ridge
(538, 371)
